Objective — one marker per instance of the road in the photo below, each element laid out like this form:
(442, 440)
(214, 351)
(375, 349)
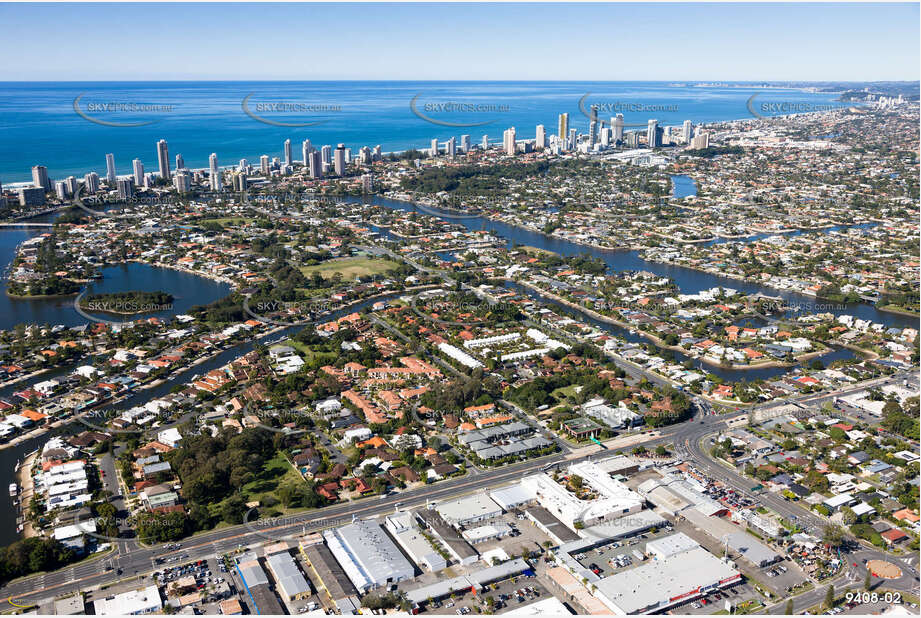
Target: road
(139, 560)
(693, 441)
(133, 561)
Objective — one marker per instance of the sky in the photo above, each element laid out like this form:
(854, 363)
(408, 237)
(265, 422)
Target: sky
(604, 42)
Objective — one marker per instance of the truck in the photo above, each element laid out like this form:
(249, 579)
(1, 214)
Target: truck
(639, 555)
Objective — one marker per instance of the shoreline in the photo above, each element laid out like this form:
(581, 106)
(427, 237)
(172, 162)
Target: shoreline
(28, 376)
(26, 489)
(42, 430)
(641, 250)
(39, 296)
(731, 86)
(217, 278)
(898, 311)
(661, 344)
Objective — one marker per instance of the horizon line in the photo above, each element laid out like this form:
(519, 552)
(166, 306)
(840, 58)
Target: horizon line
(573, 81)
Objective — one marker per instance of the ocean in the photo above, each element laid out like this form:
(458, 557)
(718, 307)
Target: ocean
(70, 126)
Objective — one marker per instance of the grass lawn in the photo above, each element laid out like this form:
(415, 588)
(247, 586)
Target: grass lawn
(562, 393)
(350, 268)
(308, 354)
(276, 472)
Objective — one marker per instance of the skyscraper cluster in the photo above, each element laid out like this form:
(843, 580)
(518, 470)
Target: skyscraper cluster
(318, 162)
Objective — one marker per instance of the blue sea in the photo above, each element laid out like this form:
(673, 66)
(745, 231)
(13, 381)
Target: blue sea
(70, 126)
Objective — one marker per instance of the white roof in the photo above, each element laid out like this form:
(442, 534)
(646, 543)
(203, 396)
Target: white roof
(656, 582)
(63, 533)
(839, 500)
(863, 509)
(479, 533)
(169, 436)
(614, 498)
(289, 578)
(671, 545)
(551, 606)
(368, 556)
(512, 496)
(143, 601)
(475, 506)
(626, 526)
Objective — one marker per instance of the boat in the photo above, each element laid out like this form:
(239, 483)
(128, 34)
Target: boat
(14, 489)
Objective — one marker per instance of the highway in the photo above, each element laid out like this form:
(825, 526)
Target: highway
(141, 560)
(136, 560)
(128, 559)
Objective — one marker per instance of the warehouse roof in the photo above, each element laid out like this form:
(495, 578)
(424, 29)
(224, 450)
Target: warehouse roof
(468, 508)
(552, 525)
(512, 496)
(751, 549)
(626, 526)
(660, 583)
(288, 576)
(328, 572)
(367, 554)
(673, 545)
(252, 572)
(443, 588)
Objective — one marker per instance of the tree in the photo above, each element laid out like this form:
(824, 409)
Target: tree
(830, 597)
(833, 535)
(788, 610)
(233, 509)
(816, 481)
(33, 554)
(867, 581)
(848, 516)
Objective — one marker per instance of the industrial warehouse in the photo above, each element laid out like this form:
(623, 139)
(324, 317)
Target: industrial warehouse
(613, 535)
